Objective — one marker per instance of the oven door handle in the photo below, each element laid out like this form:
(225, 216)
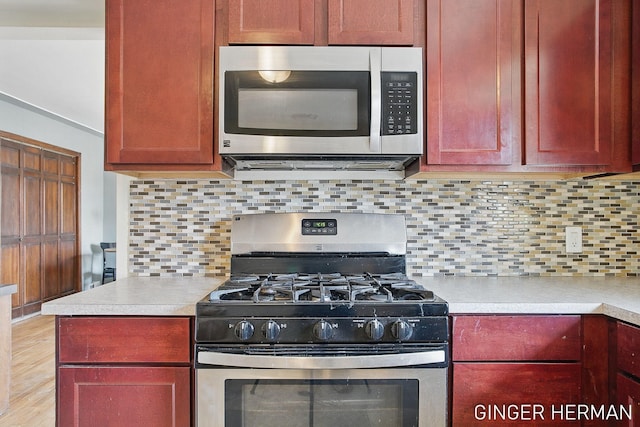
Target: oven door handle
(322, 362)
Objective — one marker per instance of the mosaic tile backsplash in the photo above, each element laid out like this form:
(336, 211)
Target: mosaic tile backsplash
(462, 228)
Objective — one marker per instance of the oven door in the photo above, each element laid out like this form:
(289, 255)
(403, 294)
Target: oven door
(399, 390)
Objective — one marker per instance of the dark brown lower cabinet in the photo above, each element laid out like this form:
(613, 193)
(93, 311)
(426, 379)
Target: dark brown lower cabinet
(545, 370)
(507, 370)
(514, 370)
(124, 371)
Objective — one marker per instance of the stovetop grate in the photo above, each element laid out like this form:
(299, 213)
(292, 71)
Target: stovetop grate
(321, 288)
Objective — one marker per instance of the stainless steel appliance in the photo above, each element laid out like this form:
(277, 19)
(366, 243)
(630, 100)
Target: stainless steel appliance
(349, 109)
(318, 325)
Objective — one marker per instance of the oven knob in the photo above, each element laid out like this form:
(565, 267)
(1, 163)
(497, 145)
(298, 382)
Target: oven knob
(323, 330)
(271, 330)
(401, 330)
(374, 329)
(243, 330)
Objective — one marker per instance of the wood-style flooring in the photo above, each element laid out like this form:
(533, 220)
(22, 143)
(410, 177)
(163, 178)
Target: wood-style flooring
(32, 395)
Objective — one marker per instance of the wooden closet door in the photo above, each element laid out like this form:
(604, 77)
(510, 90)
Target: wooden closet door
(11, 224)
(39, 236)
(69, 270)
(32, 230)
(51, 226)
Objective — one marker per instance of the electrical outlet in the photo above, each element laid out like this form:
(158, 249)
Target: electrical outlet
(573, 240)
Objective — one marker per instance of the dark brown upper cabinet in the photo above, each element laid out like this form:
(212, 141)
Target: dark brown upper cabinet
(379, 22)
(159, 96)
(533, 86)
(333, 22)
(271, 21)
(577, 83)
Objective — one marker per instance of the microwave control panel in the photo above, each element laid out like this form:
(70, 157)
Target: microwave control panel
(399, 103)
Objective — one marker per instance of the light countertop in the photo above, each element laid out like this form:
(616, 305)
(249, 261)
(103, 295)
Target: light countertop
(615, 297)
(149, 296)
(136, 296)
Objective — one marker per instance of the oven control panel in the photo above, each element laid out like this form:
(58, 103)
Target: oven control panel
(319, 227)
(259, 330)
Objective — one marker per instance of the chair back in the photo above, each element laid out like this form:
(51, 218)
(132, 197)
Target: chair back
(107, 245)
(108, 267)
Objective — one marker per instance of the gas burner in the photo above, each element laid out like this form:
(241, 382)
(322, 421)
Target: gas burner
(273, 291)
(229, 293)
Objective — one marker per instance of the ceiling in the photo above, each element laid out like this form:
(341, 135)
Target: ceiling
(55, 49)
(52, 13)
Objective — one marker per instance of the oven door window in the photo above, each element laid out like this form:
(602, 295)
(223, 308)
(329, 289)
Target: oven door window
(321, 403)
(297, 103)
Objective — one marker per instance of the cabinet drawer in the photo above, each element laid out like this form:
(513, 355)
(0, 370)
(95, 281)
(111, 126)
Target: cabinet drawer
(628, 349)
(483, 338)
(124, 339)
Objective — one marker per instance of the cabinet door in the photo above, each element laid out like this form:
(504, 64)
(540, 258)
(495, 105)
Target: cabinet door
(635, 84)
(371, 22)
(159, 100)
(627, 345)
(628, 394)
(124, 396)
(569, 82)
(271, 21)
(483, 391)
(473, 81)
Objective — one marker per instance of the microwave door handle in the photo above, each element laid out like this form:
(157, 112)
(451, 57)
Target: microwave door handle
(376, 100)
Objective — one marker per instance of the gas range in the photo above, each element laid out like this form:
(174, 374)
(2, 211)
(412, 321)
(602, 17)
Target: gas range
(318, 324)
(358, 292)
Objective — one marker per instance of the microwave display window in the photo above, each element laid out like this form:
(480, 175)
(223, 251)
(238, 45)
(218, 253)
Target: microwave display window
(298, 109)
(305, 103)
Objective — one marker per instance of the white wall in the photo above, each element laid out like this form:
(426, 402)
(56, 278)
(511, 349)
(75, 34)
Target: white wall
(109, 209)
(60, 70)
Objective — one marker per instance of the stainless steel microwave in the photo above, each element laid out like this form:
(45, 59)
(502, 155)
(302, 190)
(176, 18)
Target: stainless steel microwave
(320, 108)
